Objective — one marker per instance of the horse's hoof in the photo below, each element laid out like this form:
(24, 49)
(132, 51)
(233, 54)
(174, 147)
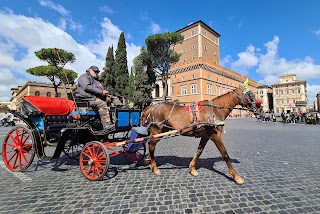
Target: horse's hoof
(239, 180)
(194, 173)
(157, 172)
(146, 163)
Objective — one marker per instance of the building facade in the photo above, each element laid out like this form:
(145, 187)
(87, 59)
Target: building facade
(198, 74)
(289, 95)
(264, 92)
(34, 89)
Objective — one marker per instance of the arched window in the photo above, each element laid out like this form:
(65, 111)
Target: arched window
(59, 95)
(48, 94)
(37, 93)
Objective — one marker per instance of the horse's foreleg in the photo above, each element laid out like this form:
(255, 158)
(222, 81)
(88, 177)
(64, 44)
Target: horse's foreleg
(153, 165)
(193, 163)
(218, 141)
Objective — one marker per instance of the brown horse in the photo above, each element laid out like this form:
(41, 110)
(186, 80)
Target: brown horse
(203, 120)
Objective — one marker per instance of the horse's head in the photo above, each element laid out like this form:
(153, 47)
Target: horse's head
(248, 99)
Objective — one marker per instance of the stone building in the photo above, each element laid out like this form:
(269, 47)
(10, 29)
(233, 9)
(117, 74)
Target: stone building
(264, 92)
(198, 74)
(34, 89)
(289, 94)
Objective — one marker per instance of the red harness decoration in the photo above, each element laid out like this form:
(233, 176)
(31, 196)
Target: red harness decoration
(194, 111)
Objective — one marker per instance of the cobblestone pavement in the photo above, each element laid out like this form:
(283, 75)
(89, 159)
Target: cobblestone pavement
(279, 162)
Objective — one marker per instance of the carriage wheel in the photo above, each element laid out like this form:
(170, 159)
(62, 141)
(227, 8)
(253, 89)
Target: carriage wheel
(73, 151)
(94, 161)
(18, 149)
(135, 157)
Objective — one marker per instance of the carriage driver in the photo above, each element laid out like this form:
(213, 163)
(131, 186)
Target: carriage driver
(90, 89)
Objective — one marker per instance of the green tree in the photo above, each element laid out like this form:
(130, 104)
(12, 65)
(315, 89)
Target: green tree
(121, 67)
(161, 50)
(108, 74)
(139, 81)
(56, 58)
(145, 58)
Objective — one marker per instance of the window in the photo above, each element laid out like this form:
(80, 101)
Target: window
(217, 79)
(59, 95)
(193, 58)
(205, 47)
(184, 60)
(288, 101)
(218, 90)
(205, 33)
(184, 50)
(281, 92)
(193, 47)
(183, 78)
(193, 76)
(209, 89)
(172, 90)
(193, 33)
(193, 88)
(214, 40)
(172, 81)
(215, 53)
(183, 90)
(223, 90)
(37, 93)
(48, 94)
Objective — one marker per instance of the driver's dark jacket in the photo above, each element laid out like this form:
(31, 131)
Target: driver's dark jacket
(89, 88)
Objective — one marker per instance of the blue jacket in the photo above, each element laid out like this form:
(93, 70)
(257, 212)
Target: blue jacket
(89, 87)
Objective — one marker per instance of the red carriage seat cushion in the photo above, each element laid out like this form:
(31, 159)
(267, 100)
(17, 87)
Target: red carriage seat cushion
(51, 106)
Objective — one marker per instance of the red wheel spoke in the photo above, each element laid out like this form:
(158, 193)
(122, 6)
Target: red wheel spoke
(88, 155)
(14, 140)
(12, 156)
(5, 153)
(20, 160)
(25, 140)
(9, 144)
(25, 151)
(24, 157)
(89, 149)
(99, 164)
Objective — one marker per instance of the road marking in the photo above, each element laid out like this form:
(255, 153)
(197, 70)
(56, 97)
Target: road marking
(19, 175)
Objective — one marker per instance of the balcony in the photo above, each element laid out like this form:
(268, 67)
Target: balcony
(301, 103)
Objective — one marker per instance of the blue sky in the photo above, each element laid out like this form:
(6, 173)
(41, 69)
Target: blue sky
(260, 39)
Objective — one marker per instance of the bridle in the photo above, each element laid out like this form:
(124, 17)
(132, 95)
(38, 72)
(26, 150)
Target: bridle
(247, 99)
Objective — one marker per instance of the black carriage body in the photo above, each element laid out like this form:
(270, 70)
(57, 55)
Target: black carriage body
(76, 127)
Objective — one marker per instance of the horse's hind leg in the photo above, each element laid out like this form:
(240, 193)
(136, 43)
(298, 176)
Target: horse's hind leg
(217, 139)
(193, 163)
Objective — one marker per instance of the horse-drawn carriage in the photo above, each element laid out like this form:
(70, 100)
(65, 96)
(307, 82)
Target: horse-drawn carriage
(73, 128)
(55, 121)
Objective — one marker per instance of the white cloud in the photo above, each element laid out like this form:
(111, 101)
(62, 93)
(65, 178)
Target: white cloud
(57, 7)
(246, 61)
(155, 28)
(312, 91)
(269, 65)
(109, 37)
(317, 33)
(106, 9)
(66, 21)
(21, 36)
